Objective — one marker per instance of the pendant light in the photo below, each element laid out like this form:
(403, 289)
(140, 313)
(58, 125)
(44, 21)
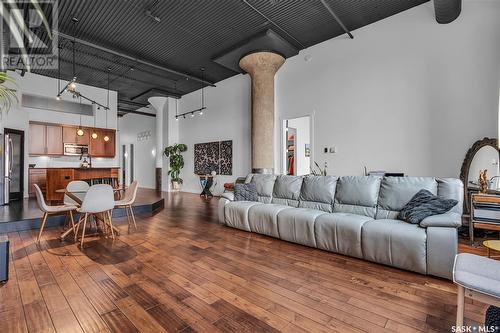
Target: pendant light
(106, 137)
(94, 133)
(175, 89)
(79, 131)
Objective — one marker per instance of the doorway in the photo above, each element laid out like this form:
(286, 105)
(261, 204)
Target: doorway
(13, 165)
(297, 148)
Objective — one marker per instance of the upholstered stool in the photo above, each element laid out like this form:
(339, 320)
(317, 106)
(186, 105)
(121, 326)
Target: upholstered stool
(478, 278)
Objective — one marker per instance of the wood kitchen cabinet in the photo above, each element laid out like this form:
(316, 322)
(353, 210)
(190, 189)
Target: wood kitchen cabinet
(58, 178)
(70, 136)
(100, 148)
(37, 139)
(45, 139)
(54, 140)
(39, 177)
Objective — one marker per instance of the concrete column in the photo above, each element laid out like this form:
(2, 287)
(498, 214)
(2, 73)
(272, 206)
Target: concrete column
(160, 104)
(262, 66)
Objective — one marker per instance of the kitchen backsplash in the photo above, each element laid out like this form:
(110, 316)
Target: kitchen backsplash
(69, 162)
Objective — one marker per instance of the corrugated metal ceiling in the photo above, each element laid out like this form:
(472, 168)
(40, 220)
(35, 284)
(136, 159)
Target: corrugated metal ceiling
(190, 34)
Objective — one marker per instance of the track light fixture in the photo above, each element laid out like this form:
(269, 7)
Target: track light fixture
(197, 111)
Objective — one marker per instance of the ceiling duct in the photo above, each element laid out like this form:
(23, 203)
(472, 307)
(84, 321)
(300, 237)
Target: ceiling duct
(447, 10)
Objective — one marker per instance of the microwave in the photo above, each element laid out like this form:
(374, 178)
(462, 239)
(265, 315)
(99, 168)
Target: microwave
(75, 150)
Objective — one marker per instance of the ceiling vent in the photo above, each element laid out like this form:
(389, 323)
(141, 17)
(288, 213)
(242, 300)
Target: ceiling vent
(447, 10)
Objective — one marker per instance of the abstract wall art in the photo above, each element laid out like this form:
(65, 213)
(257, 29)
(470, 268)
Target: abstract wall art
(213, 156)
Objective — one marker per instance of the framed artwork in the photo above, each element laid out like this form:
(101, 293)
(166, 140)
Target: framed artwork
(213, 156)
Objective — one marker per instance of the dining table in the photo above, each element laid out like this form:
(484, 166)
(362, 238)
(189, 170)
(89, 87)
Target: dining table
(78, 197)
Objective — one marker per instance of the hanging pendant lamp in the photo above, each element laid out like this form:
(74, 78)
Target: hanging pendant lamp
(106, 137)
(79, 131)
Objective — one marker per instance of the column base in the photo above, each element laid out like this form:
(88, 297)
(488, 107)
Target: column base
(264, 171)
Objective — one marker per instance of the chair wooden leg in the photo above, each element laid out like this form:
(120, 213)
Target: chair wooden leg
(42, 225)
(72, 220)
(460, 306)
(65, 224)
(108, 214)
(133, 216)
(128, 216)
(77, 226)
(83, 230)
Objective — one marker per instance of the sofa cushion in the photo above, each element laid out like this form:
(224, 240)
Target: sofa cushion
(236, 214)
(357, 195)
(297, 225)
(287, 190)
(245, 192)
(451, 188)
(395, 192)
(264, 184)
(395, 243)
(425, 204)
(318, 192)
(340, 233)
(263, 219)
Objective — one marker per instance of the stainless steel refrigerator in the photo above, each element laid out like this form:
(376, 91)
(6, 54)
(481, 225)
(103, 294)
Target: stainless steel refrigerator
(13, 166)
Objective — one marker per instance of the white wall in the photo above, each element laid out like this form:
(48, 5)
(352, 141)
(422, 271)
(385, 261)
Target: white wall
(144, 150)
(227, 117)
(18, 118)
(406, 94)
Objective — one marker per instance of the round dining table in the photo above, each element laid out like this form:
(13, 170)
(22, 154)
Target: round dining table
(78, 197)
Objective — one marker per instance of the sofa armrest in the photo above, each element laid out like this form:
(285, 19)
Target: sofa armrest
(228, 195)
(450, 219)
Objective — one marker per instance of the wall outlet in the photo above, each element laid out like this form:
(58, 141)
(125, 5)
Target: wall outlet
(325, 150)
(333, 150)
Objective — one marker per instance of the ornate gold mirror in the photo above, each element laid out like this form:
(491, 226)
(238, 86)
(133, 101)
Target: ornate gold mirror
(483, 155)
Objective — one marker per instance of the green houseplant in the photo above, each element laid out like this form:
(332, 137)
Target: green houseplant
(7, 95)
(176, 163)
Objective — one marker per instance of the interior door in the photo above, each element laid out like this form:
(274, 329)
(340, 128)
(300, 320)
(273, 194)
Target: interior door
(14, 168)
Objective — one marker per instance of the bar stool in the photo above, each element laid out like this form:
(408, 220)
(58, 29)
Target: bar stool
(98, 200)
(127, 202)
(51, 210)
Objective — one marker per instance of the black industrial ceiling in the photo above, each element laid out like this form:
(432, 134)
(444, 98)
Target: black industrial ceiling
(185, 35)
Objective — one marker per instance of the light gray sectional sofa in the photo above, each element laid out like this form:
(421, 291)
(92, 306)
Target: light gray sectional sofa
(354, 216)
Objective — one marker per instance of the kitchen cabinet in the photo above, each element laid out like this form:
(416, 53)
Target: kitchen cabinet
(100, 148)
(39, 177)
(36, 140)
(54, 140)
(70, 136)
(45, 139)
(57, 179)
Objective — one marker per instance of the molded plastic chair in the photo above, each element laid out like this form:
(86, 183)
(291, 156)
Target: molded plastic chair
(127, 202)
(79, 187)
(98, 200)
(51, 210)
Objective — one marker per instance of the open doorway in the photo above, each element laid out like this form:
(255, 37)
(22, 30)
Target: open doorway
(296, 146)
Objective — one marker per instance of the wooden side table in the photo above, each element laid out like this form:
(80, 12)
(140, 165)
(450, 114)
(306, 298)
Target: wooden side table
(486, 202)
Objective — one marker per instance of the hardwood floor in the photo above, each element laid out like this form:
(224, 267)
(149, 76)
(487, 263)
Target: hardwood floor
(183, 272)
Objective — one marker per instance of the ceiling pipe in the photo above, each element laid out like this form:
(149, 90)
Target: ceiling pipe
(137, 112)
(160, 92)
(137, 60)
(342, 25)
(447, 11)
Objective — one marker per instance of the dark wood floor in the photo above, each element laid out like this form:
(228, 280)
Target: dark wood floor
(183, 272)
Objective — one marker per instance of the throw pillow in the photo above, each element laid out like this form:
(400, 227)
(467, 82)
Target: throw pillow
(245, 192)
(424, 204)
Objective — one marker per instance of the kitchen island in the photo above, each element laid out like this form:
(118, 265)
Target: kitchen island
(52, 179)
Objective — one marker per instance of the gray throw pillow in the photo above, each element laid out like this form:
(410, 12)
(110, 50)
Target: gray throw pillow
(424, 204)
(245, 192)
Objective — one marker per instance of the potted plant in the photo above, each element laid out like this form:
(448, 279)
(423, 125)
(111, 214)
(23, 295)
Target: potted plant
(7, 95)
(176, 164)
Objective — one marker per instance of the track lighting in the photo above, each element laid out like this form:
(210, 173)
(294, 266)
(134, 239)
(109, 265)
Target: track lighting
(192, 114)
(58, 97)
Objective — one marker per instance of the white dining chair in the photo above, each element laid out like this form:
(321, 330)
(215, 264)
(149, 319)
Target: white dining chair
(127, 201)
(98, 200)
(51, 210)
(78, 188)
